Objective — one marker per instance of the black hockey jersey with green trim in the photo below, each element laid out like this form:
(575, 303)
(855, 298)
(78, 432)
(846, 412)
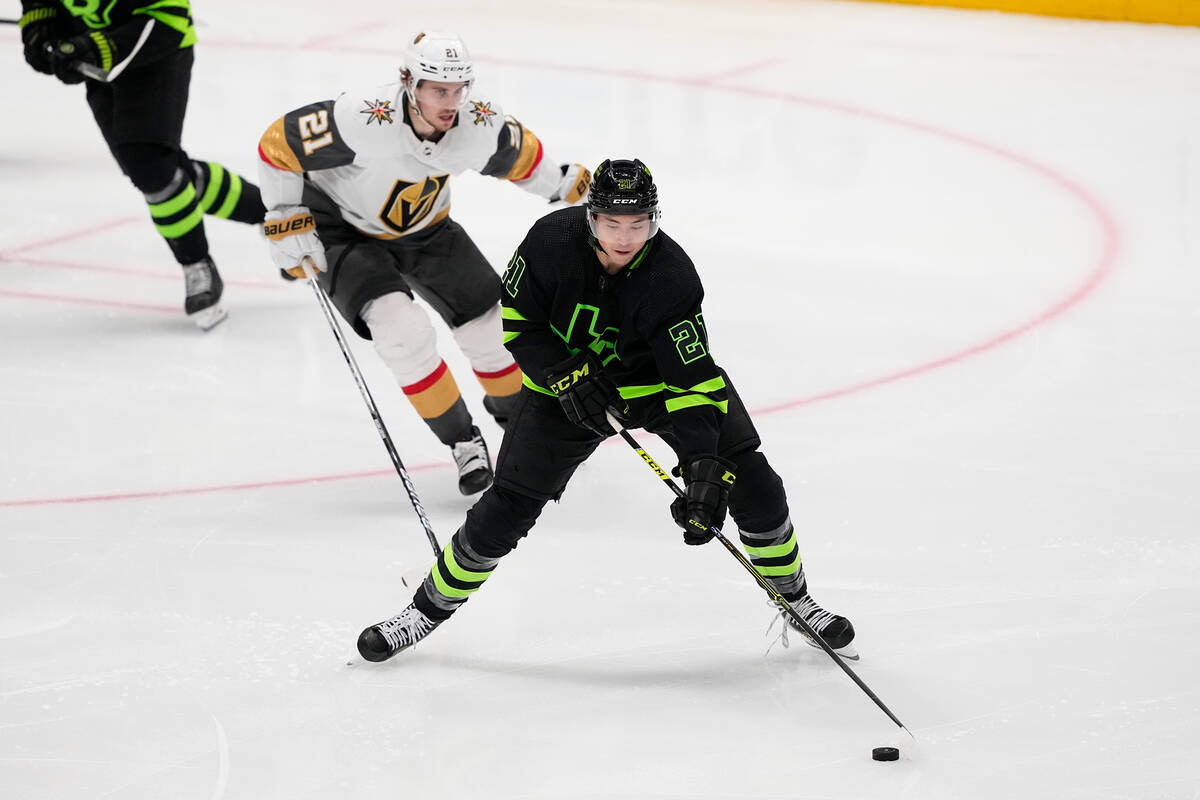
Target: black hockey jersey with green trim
(645, 323)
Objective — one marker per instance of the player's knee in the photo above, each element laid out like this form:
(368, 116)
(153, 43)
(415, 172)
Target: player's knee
(499, 520)
(150, 166)
(403, 336)
(757, 501)
(482, 341)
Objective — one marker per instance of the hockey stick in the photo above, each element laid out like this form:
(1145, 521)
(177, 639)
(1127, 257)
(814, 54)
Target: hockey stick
(327, 308)
(763, 582)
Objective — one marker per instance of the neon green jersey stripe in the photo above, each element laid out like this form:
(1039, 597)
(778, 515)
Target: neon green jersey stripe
(630, 392)
(690, 400)
(510, 335)
(775, 550)
(511, 313)
(525, 380)
(231, 199)
(176, 204)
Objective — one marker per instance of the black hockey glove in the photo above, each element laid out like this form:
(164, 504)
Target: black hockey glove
(92, 49)
(39, 29)
(584, 391)
(706, 499)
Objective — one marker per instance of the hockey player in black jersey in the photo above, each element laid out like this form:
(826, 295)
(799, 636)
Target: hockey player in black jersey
(136, 57)
(602, 311)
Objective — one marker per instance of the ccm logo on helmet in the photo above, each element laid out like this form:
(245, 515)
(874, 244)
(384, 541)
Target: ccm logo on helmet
(624, 201)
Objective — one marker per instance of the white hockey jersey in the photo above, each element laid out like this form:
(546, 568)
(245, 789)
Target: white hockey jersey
(361, 151)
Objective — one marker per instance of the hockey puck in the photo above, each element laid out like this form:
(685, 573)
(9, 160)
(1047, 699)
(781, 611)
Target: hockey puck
(885, 754)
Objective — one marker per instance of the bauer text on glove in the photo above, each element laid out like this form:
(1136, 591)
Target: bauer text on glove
(292, 235)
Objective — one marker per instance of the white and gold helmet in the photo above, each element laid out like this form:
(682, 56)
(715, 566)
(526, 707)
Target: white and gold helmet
(441, 57)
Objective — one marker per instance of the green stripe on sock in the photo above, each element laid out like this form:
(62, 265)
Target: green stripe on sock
(465, 575)
(231, 199)
(215, 173)
(183, 226)
(176, 204)
(774, 550)
(445, 588)
(784, 569)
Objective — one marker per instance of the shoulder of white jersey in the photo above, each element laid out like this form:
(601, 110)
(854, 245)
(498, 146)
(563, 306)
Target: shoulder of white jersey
(368, 118)
(482, 116)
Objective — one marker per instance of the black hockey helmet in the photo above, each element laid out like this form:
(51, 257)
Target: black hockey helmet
(622, 186)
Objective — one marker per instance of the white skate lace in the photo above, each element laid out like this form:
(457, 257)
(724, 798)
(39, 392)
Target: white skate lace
(197, 278)
(408, 628)
(817, 618)
(470, 455)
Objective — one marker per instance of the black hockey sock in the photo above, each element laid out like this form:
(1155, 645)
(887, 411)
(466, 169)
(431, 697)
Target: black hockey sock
(776, 556)
(225, 194)
(179, 218)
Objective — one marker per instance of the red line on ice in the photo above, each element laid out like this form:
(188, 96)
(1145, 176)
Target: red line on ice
(1101, 269)
(229, 487)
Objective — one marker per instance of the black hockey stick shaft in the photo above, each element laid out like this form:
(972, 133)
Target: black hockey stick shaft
(758, 577)
(327, 308)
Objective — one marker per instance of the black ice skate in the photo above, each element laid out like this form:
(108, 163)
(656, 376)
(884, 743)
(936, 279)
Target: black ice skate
(474, 466)
(381, 642)
(836, 630)
(203, 286)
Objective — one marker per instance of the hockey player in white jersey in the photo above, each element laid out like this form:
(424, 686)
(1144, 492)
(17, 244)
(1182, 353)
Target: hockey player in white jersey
(359, 187)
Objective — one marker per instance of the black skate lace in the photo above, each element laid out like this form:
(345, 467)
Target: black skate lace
(405, 629)
(197, 279)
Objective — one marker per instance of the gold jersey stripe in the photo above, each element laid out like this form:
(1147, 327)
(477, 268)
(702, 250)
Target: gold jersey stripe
(527, 159)
(274, 149)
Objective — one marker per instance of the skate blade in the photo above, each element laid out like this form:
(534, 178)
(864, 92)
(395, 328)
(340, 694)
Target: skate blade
(848, 653)
(208, 318)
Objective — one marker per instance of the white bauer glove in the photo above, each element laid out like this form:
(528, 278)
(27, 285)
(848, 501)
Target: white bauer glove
(292, 235)
(576, 178)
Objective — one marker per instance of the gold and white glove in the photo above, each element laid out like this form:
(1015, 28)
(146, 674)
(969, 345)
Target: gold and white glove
(292, 235)
(576, 178)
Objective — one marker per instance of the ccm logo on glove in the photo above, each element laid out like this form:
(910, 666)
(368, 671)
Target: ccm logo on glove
(567, 381)
(281, 229)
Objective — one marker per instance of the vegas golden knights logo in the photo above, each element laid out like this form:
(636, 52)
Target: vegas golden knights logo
(410, 203)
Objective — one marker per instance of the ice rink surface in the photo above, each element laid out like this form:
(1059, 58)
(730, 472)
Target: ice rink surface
(951, 263)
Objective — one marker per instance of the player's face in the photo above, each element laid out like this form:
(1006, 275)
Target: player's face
(438, 102)
(621, 236)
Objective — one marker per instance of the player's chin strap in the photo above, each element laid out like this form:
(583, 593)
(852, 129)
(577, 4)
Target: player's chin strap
(763, 582)
(327, 308)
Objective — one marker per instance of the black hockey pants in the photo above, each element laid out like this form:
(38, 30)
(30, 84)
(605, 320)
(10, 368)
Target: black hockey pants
(541, 451)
